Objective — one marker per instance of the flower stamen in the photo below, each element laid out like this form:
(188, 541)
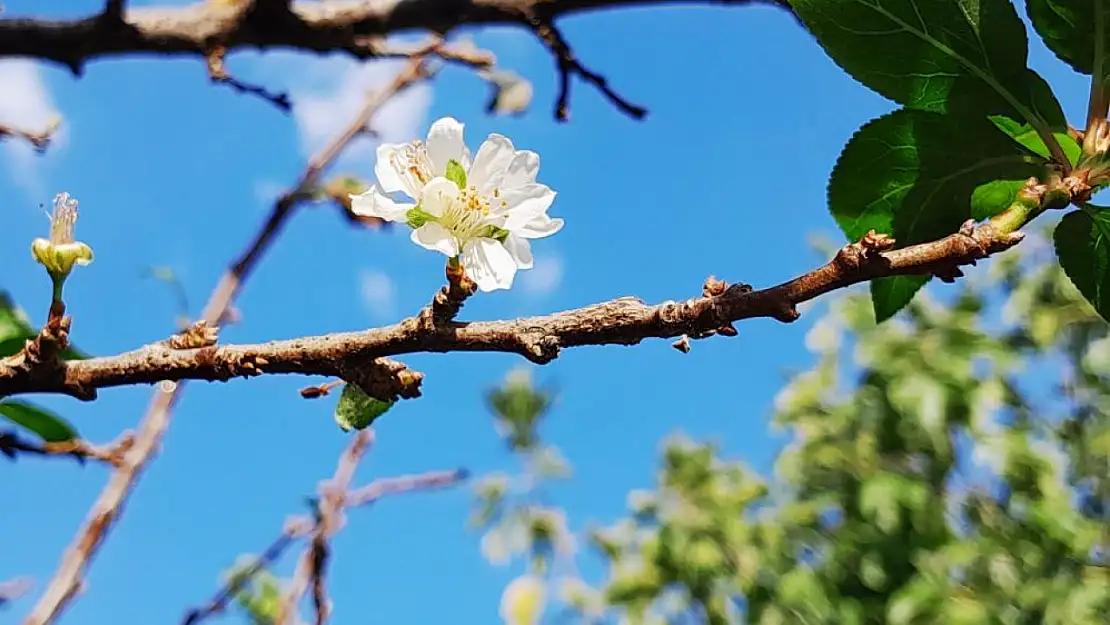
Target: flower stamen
(63, 219)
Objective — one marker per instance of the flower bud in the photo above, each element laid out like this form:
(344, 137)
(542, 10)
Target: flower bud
(60, 252)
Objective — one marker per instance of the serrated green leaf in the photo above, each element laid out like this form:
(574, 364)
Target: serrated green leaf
(890, 295)
(15, 331)
(456, 173)
(989, 199)
(357, 410)
(1077, 31)
(912, 174)
(941, 56)
(47, 425)
(1082, 241)
(1026, 136)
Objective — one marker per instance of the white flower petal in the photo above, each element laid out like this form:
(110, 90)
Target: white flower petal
(445, 143)
(488, 264)
(435, 237)
(389, 170)
(373, 203)
(491, 161)
(539, 227)
(438, 196)
(520, 250)
(522, 204)
(522, 169)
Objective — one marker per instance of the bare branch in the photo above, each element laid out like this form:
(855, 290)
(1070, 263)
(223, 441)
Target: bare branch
(217, 72)
(294, 529)
(335, 497)
(354, 26)
(67, 579)
(312, 567)
(366, 495)
(12, 445)
(623, 321)
(39, 139)
(567, 64)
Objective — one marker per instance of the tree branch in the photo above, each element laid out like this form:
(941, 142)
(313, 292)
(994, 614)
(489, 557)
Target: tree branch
(109, 506)
(12, 445)
(355, 27)
(623, 321)
(39, 139)
(335, 498)
(294, 528)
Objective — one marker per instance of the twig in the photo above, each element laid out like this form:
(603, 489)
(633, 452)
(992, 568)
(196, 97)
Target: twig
(381, 487)
(67, 579)
(294, 529)
(461, 54)
(308, 26)
(623, 321)
(11, 445)
(567, 64)
(320, 390)
(312, 567)
(40, 140)
(335, 498)
(218, 73)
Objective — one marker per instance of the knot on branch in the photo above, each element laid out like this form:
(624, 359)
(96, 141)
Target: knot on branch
(978, 242)
(194, 337)
(384, 379)
(868, 249)
(538, 346)
(42, 352)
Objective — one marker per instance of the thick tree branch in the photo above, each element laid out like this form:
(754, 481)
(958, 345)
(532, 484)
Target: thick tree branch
(338, 25)
(109, 505)
(623, 321)
(356, 27)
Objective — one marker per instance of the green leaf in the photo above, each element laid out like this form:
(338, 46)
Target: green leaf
(1077, 31)
(1082, 241)
(940, 56)
(47, 425)
(456, 173)
(890, 295)
(15, 331)
(1026, 136)
(357, 410)
(991, 198)
(913, 174)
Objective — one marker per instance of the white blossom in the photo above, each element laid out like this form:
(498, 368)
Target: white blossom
(482, 209)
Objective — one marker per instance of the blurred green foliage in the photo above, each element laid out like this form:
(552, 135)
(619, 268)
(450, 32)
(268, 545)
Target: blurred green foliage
(950, 466)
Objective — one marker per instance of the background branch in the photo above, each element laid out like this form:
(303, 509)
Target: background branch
(40, 139)
(356, 27)
(12, 445)
(109, 505)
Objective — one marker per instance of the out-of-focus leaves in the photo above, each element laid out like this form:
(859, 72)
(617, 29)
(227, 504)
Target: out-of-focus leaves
(44, 423)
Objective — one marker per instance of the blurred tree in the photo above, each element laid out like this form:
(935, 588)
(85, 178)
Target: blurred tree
(952, 466)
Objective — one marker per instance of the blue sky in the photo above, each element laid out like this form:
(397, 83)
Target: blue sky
(727, 176)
